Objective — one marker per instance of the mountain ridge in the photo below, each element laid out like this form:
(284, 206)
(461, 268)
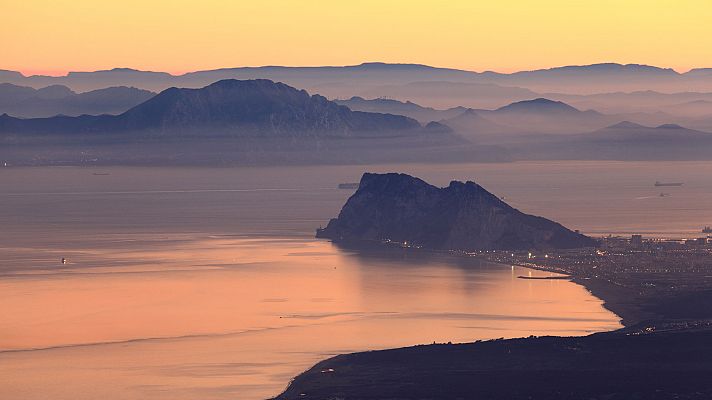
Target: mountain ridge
(241, 107)
(599, 77)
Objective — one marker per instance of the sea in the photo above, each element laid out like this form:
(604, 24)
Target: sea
(208, 283)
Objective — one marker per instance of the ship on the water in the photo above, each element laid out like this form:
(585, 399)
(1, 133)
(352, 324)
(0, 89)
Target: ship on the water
(658, 183)
(349, 185)
(708, 229)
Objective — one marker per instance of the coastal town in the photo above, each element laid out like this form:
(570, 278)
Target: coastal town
(640, 279)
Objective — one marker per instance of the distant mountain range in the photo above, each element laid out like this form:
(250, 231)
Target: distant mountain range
(537, 115)
(645, 94)
(621, 141)
(595, 78)
(26, 102)
(234, 122)
(542, 115)
(446, 94)
(228, 107)
(547, 129)
(407, 108)
(257, 110)
(463, 216)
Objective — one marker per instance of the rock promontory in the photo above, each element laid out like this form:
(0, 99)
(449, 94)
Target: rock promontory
(403, 209)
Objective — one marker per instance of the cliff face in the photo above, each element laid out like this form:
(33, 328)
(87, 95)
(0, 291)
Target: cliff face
(261, 104)
(462, 216)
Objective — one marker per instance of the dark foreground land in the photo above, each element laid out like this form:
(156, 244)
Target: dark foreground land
(627, 364)
(665, 351)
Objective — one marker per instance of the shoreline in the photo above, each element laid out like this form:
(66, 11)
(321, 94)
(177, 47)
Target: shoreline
(615, 298)
(663, 347)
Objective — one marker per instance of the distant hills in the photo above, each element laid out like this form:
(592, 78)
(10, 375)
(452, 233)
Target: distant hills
(463, 216)
(537, 115)
(543, 124)
(626, 131)
(258, 111)
(474, 126)
(646, 94)
(538, 106)
(407, 108)
(448, 94)
(542, 128)
(234, 122)
(26, 102)
(621, 141)
(583, 79)
(228, 107)
(542, 115)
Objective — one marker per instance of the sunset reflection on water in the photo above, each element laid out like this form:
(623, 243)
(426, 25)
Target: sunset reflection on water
(226, 316)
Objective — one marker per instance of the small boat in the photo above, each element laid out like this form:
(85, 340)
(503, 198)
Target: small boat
(100, 173)
(658, 183)
(349, 185)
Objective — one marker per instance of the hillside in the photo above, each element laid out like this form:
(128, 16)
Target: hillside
(242, 108)
(26, 102)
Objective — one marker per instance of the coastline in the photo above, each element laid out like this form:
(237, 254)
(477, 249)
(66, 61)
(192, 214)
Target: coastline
(624, 361)
(618, 299)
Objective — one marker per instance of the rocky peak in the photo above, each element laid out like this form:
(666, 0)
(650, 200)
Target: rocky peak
(401, 208)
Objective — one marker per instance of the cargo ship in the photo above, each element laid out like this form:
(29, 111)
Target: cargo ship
(708, 229)
(658, 183)
(350, 185)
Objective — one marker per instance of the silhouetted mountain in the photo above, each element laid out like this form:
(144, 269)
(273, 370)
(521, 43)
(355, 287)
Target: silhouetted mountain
(10, 76)
(258, 106)
(604, 69)
(625, 125)
(437, 127)
(699, 72)
(546, 116)
(471, 125)
(642, 135)
(407, 108)
(305, 77)
(538, 106)
(234, 122)
(12, 95)
(449, 94)
(382, 79)
(53, 100)
(243, 108)
(463, 216)
(622, 141)
(691, 109)
(597, 78)
(647, 101)
(54, 92)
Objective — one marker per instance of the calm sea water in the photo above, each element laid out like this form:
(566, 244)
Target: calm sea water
(186, 283)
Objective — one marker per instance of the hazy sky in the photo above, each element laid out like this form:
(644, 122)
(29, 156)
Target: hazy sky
(54, 36)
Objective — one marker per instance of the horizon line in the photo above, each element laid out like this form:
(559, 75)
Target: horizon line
(28, 73)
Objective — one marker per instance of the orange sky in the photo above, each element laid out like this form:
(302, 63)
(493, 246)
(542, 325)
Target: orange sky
(55, 36)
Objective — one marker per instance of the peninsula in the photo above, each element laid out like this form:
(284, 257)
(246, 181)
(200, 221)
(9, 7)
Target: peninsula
(399, 208)
(661, 290)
